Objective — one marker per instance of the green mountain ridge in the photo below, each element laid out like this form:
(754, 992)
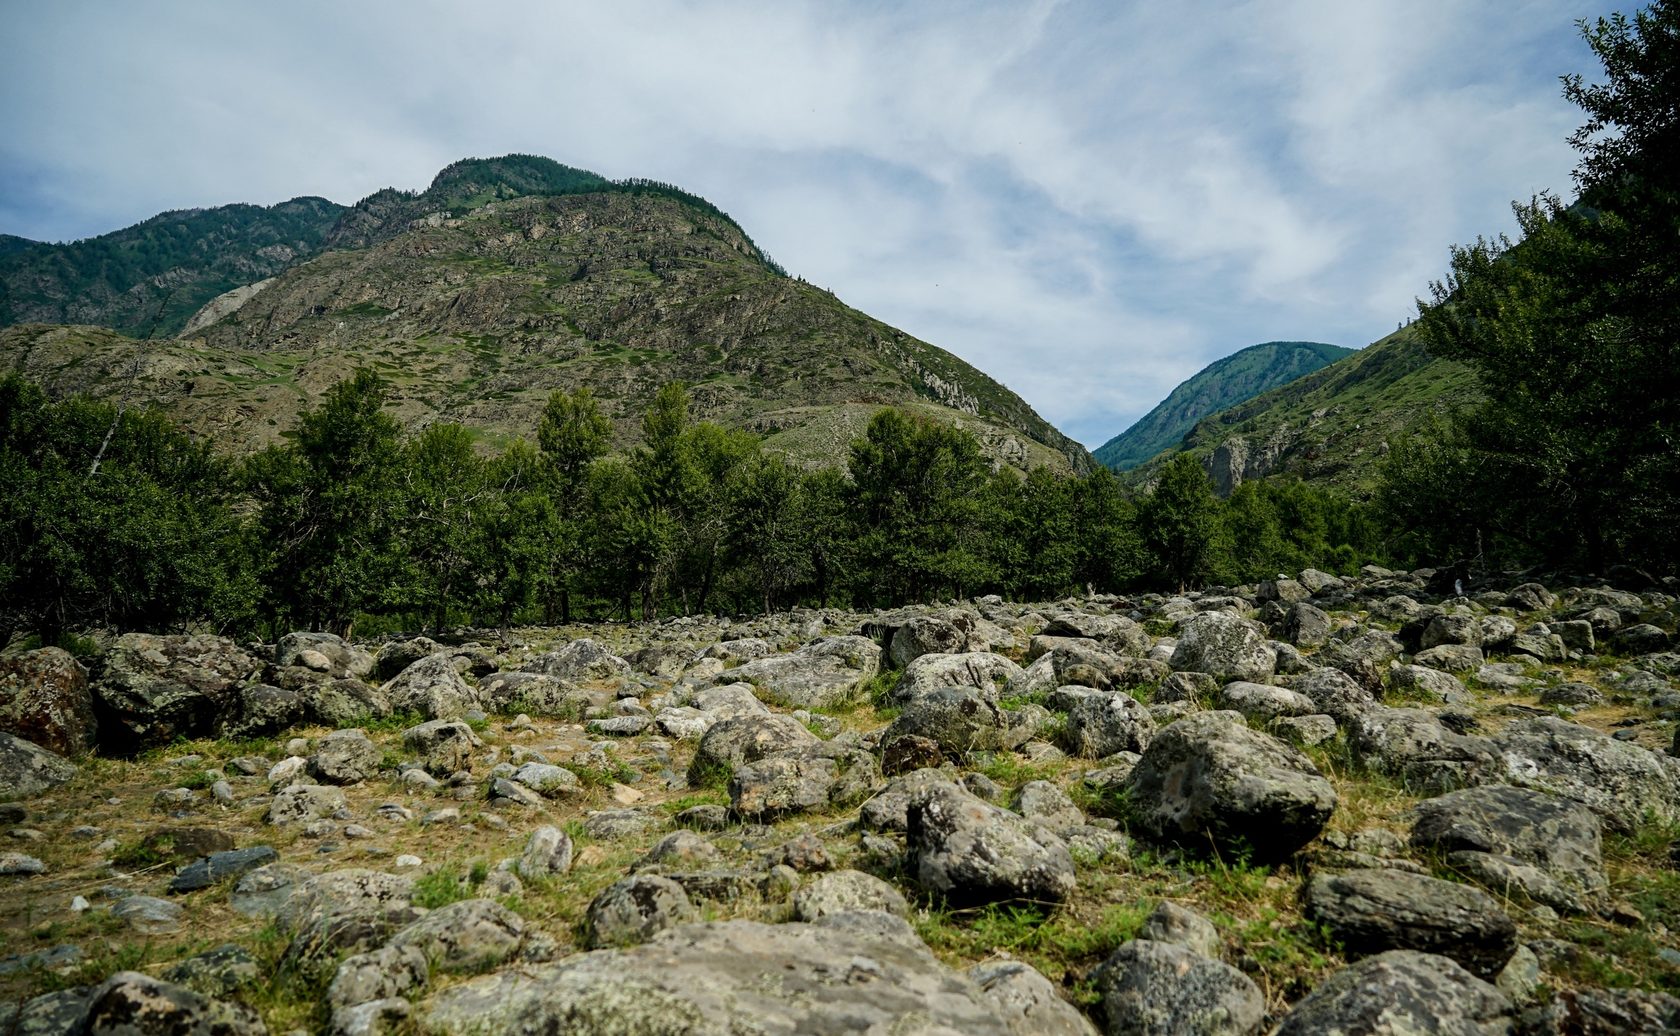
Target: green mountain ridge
(476, 316)
(1238, 377)
(1334, 425)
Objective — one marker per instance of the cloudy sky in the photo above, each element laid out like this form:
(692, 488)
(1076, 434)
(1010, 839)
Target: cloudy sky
(1090, 200)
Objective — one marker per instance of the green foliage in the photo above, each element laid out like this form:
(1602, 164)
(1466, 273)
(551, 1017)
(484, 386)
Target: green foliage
(1573, 457)
(1180, 523)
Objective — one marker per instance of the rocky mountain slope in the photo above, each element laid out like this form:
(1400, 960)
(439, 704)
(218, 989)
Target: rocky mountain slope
(476, 304)
(1334, 425)
(1316, 804)
(1221, 384)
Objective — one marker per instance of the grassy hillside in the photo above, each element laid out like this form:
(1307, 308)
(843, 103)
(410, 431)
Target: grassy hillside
(1334, 424)
(476, 318)
(1224, 383)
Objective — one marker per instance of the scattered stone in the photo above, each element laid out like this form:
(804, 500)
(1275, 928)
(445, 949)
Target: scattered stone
(302, 803)
(1558, 835)
(1401, 991)
(971, 852)
(547, 852)
(262, 892)
(154, 689)
(471, 935)
(1225, 646)
(1371, 911)
(45, 699)
(989, 673)
(1620, 782)
(847, 890)
(218, 972)
(548, 780)
(345, 757)
(431, 687)
(148, 914)
(958, 720)
(1026, 1001)
(27, 769)
(1103, 724)
(820, 674)
(1160, 989)
(634, 909)
(1181, 926)
(129, 1002)
(216, 867)
(1210, 780)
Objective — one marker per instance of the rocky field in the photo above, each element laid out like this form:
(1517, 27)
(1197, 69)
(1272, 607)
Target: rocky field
(1379, 805)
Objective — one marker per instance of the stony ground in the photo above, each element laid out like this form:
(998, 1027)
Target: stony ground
(1307, 805)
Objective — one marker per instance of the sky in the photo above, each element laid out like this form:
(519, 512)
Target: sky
(1090, 201)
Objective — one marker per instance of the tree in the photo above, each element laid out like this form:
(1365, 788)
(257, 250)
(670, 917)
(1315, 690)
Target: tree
(1574, 330)
(326, 509)
(573, 434)
(443, 500)
(1180, 523)
(765, 535)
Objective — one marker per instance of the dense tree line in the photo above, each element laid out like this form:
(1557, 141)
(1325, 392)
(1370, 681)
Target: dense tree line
(351, 522)
(1574, 458)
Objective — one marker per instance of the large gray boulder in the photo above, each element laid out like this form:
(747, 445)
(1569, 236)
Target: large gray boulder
(1620, 781)
(1415, 748)
(1333, 693)
(345, 757)
(1026, 1000)
(1102, 724)
(634, 909)
(27, 769)
(442, 745)
(960, 720)
(710, 980)
(823, 673)
(969, 851)
(746, 739)
(844, 891)
(1401, 992)
(924, 635)
(45, 698)
(469, 935)
(819, 776)
(1373, 910)
(1162, 989)
(156, 688)
(992, 674)
(431, 688)
(536, 694)
(1225, 646)
(1557, 835)
(342, 658)
(1209, 780)
(302, 803)
(581, 660)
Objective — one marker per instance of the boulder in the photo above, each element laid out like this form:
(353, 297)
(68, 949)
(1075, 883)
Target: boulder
(337, 894)
(386, 972)
(547, 852)
(1364, 657)
(1264, 702)
(969, 851)
(820, 674)
(1452, 658)
(746, 739)
(302, 803)
(1102, 724)
(469, 935)
(1401, 991)
(154, 689)
(220, 866)
(1026, 1001)
(45, 699)
(1604, 1012)
(1209, 780)
(844, 891)
(1171, 923)
(924, 635)
(1373, 910)
(819, 776)
(889, 808)
(398, 655)
(860, 972)
(431, 688)
(1414, 747)
(130, 1002)
(342, 658)
(1225, 646)
(959, 720)
(634, 909)
(1306, 626)
(548, 780)
(345, 757)
(1421, 682)
(27, 769)
(1445, 628)
(992, 674)
(1620, 781)
(1161, 989)
(442, 745)
(536, 694)
(1559, 836)
(262, 709)
(581, 660)
(1333, 692)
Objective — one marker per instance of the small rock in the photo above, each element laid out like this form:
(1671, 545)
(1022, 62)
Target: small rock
(149, 915)
(17, 864)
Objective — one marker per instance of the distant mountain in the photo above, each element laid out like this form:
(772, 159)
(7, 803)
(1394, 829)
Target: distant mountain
(475, 301)
(10, 243)
(1334, 425)
(1224, 383)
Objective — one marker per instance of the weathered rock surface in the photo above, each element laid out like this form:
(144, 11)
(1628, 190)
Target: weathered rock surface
(431, 687)
(1558, 835)
(129, 1002)
(969, 851)
(1209, 779)
(1620, 782)
(844, 891)
(1371, 911)
(992, 674)
(1161, 989)
(157, 688)
(634, 909)
(1027, 1002)
(27, 769)
(1225, 646)
(345, 757)
(959, 720)
(709, 980)
(819, 674)
(1401, 992)
(1103, 724)
(45, 699)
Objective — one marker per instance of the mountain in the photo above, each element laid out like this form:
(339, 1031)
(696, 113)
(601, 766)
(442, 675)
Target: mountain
(476, 312)
(1335, 424)
(151, 277)
(1223, 383)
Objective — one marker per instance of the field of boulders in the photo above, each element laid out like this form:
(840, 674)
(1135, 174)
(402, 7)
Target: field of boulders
(1404, 802)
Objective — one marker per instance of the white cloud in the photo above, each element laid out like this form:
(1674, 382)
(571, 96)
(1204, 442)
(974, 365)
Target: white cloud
(1088, 200)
